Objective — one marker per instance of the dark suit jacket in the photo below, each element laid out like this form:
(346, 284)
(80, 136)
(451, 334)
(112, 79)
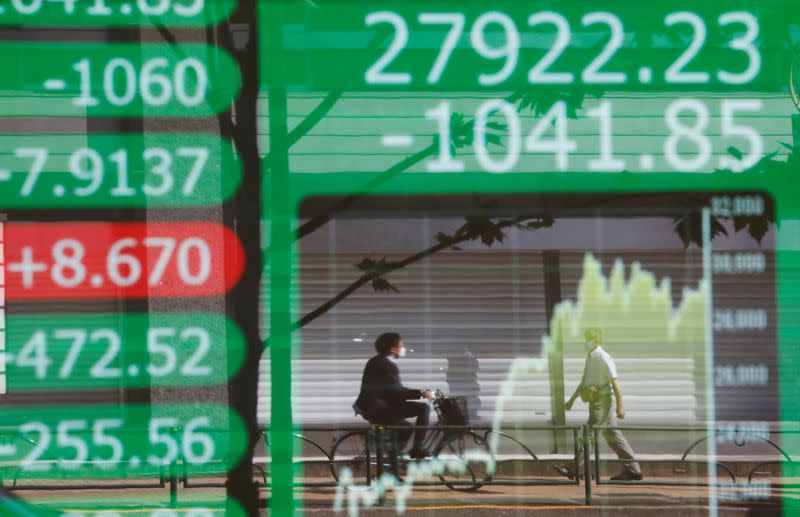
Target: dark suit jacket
(381, 387)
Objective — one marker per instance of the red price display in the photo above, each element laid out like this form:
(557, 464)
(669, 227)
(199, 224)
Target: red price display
(91, 260)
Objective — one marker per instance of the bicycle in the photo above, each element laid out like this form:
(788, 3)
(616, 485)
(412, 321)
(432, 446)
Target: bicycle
(358, 451)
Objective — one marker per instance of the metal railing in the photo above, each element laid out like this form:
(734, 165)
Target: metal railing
(739, 440)
(381, 445)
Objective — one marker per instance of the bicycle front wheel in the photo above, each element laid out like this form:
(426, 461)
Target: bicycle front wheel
(469, 455)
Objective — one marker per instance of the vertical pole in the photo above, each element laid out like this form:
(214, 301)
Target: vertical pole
(379, 461)
(173, 472)
(595, 440)
(577, 445)
(796, 131)
(587, 470)
(552, 295)
(367, 439)
(277, 211)
(243, 214)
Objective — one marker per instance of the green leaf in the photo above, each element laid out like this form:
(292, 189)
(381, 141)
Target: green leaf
(366, 264)
(736, 153)
(690, 229)
(383, 285)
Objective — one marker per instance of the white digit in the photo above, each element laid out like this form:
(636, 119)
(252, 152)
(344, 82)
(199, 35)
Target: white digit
(120, 159)
(203, 258)
(99, 9)
(375, 74)
(41, 444)
(442, 114)
(150, 79)
(694, 133)
(167, 246)
(456, 23)
(508, 51)
(513, 138)
(83, 68)
(729, 128)
(537, 74)
(182, 93)
(22, 8)
(192, 9)
(592, 75)
(200, 155)
(153, 10)
(606, 163)
(191, 367)
(745, 44)
(101, 369)
(64, 440)
(129, 81)
(561, 145)
(192, 437)
(102, 439)
(34, 354)
(161, 168)
(64, 262)
(157, 437)
(86, 165)
(78, 338)
(39, 155)
(156, 347)
(675, 73)
(116, 258)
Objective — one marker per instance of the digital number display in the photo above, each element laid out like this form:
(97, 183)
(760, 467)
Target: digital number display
(123, 327)
(116, 170)
(91, 351)
(114, 12)
(118, 80)
(108, 509)
(120, 260)
(104, 441)
(441, 45)
(210, 209)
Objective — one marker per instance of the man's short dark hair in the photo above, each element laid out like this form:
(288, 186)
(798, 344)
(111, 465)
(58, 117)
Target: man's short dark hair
(386, 342)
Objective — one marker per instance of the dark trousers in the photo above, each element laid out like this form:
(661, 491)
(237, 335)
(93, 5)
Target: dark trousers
(397, 414)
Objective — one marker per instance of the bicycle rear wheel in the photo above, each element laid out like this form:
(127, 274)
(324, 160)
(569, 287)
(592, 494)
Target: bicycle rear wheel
(351, 452)
(471, 452)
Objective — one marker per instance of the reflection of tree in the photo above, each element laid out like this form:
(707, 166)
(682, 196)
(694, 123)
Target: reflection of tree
(689, 227)
(483, 228)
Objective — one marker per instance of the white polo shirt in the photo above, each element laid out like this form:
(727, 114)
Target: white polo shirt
(600, 368)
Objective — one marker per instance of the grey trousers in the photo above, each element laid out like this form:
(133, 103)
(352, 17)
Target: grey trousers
(603, 412)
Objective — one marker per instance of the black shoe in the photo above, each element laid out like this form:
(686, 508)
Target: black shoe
(418, 453)
(564, 471)
(628, 476)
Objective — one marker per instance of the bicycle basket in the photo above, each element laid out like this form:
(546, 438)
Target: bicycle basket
(452, 410)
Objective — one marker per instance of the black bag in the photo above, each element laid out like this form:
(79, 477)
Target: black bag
(452, 410)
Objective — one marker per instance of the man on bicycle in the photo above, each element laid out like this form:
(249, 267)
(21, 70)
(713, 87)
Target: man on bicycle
(383, 398)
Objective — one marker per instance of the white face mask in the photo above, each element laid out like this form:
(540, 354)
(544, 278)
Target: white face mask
(402, 352)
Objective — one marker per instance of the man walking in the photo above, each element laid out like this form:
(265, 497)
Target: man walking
(597, 384)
